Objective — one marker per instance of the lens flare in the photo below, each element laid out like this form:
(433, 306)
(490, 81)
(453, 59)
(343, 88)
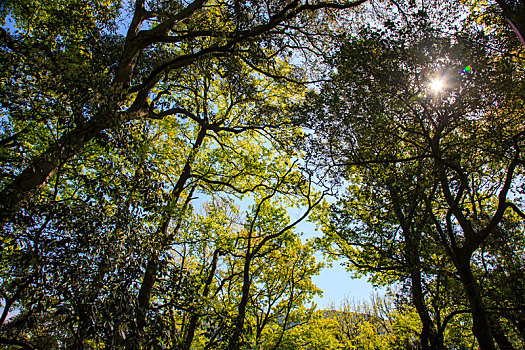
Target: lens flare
(437, 85)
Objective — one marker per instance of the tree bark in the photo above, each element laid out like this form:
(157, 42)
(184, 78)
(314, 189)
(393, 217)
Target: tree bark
(194, 319)
(428, 336)
(238, 323)
(480, 328)
(498, 333)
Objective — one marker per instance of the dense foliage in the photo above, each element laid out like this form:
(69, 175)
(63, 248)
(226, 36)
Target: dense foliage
(427, 131)
(157, 157)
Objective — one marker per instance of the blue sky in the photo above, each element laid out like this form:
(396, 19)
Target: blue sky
(338, 285)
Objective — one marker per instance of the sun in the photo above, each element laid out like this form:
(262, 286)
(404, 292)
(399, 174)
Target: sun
(437, 85)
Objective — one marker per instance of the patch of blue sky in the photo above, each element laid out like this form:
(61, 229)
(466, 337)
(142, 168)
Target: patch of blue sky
(334, 280)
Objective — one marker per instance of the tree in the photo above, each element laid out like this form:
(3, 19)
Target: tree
(376, 324)
(511, 12)
(230, 293)
(107, 139)
(440, 165)
(112, 256)
(381, 228)
(163, 40)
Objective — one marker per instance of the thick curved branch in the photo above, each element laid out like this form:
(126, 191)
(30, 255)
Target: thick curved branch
(289, 12)
(502, 199)
(517, 210)
(8, 341)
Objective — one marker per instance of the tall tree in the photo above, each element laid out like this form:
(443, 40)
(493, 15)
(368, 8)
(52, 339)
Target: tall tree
(107, 138)
(96, 259)
(432, 127)
(99, 92)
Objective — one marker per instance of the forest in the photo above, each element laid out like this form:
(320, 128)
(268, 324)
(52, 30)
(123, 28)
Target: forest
(159, 160)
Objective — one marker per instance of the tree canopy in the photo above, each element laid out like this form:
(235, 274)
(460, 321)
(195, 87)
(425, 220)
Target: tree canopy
(158, 157)
(426, 129)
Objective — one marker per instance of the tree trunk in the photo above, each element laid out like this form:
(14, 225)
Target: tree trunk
(427, 335)
(480, 328)
(148, 281)
(499, 335)
(42, 168)
(238, 323)
(194, 319)
(143, 299)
